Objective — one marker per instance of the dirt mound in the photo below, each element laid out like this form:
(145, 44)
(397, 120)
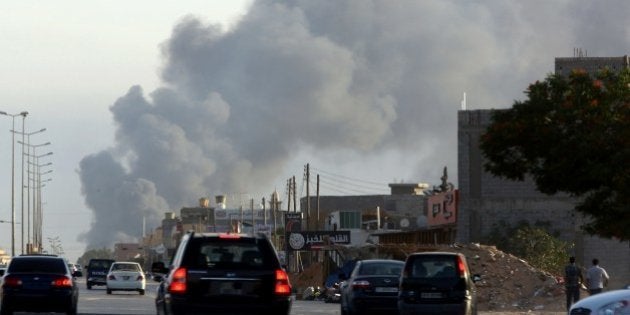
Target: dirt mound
(508, 282)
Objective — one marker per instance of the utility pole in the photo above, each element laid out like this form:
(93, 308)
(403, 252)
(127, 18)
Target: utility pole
(253, 219)
(294, 194)
(308, 199)
(318, 224)
(289, 195)
(264, 208)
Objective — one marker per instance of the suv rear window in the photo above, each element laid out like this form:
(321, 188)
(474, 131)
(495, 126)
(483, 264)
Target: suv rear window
(434, 267)
(218, 253)
(39, 265)
(100, 264)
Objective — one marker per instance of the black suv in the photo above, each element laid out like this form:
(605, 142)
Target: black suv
(38, 283)
(97, 270)
(437, 283)
(228, 273)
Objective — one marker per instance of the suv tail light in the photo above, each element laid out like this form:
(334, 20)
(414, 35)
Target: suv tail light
(283, 287)
(62, 282)
(10, 281)
(461, 267)
(178, 282)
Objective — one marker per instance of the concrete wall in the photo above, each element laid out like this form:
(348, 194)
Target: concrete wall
(486, 200)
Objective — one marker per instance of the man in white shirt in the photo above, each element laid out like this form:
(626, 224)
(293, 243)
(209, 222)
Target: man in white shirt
(596, 278)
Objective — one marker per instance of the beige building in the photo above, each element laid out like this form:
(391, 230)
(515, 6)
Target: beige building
(128, 251)
(487, 201)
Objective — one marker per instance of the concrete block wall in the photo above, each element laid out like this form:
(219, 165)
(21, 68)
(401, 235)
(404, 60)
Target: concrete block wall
(486, 200)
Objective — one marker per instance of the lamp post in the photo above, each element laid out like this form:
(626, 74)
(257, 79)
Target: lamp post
(40, 212)
(36, 189)
(23, 114)
(28, 141)
(28, 185)
(36, 246)
(37, 217)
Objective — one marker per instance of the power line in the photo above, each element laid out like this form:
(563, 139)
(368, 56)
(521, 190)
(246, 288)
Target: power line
(346, 190)
(380, 184)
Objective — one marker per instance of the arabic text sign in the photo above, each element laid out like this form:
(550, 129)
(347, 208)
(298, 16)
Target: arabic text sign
(307, 240)
(443, 208)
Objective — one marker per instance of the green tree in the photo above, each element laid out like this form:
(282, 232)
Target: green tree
(532, 242)
(540, 249)
(572, 135)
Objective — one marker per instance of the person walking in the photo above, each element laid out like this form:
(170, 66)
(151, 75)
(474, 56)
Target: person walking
(596, 278)
(572, 281)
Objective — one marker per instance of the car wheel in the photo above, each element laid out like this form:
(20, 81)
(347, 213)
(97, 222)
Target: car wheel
(89, 286)
(109, 291)
(141, 292)
(5, 311)
(72, 310)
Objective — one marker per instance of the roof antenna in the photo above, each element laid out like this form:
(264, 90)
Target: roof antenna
(463, 103)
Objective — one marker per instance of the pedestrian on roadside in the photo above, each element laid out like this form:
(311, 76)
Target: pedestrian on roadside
(596, 278)
(572, 281)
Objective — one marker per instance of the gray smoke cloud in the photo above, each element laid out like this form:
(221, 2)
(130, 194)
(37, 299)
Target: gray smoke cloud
(362, 77)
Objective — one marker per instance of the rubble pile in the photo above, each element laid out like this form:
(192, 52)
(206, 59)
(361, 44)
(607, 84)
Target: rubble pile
(508, 282)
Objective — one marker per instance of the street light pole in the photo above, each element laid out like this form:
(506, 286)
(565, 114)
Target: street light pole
(37, 216)
(22, 187)
(28, 202)
(28, 185)
(23, 114)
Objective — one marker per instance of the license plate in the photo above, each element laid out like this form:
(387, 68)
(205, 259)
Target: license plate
(125, 277)
(386, 289)
(430, 295)
(234, 287)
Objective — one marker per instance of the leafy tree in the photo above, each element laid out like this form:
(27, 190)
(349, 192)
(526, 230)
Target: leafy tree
(532, 242)
(541, 249)
(571, 135)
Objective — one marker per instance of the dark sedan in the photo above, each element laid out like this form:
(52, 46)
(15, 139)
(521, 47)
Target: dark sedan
(38, 283)
(371, 287)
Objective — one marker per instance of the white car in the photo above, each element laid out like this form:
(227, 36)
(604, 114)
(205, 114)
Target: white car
(615, 302)
(126, 276)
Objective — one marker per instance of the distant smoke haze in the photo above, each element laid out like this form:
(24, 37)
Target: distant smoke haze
(370, 78)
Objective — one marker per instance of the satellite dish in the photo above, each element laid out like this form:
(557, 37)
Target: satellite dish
(404, 222)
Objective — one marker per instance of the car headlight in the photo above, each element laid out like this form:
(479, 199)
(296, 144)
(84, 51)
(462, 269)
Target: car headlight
(615, 308)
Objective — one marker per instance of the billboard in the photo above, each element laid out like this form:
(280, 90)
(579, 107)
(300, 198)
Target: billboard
(442, 208)
(312, 240)
(293, 221)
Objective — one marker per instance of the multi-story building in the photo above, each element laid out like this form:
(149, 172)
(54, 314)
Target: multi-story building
(128, 251)
(487, 202)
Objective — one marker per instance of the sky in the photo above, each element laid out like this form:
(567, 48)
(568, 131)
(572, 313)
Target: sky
(150, 105)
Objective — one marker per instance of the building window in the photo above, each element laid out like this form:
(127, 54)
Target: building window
(349, 220)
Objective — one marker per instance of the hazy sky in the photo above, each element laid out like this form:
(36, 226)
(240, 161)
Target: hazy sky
(150, 105)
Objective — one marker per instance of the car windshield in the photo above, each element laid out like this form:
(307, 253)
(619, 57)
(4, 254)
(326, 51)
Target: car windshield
(218, 253)
(100, 264)
(125, 267)
(433, 267)
(37, 265)
(381, 268)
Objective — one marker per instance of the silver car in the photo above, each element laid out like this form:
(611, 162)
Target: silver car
(615, 302)
(126, 276)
